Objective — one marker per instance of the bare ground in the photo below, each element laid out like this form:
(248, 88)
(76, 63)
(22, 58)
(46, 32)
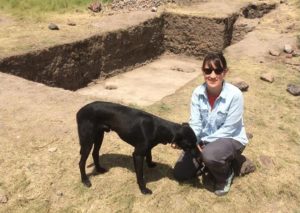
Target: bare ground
(39, 146)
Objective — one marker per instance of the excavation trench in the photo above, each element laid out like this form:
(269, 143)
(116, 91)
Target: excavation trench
(74, 65)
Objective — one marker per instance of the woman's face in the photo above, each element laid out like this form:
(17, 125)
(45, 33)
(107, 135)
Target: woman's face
(215, 79)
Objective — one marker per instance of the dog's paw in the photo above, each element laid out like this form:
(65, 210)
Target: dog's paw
(152, 165)
(87, 183)
(146, 191)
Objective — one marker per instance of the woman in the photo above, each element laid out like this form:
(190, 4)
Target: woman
(217, 120)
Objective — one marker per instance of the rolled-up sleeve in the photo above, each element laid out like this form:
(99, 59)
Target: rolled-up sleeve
(195, 118)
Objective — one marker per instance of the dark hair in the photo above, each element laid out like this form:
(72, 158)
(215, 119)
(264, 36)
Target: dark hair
(215, 60)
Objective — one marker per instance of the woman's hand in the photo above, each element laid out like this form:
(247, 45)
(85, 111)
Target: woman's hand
(200, 147)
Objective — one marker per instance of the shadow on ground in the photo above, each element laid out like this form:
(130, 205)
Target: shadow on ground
(161, 170)
(109, 161)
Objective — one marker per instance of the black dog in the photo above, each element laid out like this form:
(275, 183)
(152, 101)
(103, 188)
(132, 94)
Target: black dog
(138, 128)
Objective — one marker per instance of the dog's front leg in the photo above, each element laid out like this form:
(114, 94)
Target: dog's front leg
(149, 161)
(138, 161)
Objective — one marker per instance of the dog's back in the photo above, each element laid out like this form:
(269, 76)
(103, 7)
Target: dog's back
(121, 119)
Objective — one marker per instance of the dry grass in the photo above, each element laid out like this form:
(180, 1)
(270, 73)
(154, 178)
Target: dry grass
(36, 180)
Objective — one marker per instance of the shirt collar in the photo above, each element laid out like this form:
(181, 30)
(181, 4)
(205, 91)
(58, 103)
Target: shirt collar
(223, 95)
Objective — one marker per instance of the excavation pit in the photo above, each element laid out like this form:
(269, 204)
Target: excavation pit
(139, 42)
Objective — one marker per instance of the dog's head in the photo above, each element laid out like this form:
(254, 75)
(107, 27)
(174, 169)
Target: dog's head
(185, 138)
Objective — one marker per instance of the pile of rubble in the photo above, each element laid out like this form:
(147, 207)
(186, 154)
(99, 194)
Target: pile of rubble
(131, 5)
(134, 5)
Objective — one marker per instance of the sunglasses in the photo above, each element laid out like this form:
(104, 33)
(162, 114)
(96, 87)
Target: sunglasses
(208, 71)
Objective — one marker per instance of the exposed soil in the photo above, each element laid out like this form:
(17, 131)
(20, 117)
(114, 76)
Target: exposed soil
(74, 65)
(147, 84)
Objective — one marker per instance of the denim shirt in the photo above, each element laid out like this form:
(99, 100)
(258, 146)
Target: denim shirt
(225, 120)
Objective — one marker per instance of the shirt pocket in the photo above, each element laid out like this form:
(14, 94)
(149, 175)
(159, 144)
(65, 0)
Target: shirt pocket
(220, 118)
(204, 116)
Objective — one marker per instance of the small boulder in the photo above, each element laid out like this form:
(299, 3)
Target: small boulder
(186, 69)
(53, 149)
(288, 48)
(249, 135)
(274, 52)
(293, 89)
(59, 193)
(52, 26)
(71, 23)
(96, 7)
(154, 9)
(3, 199)
(296, 53)
(247, 167)
(242, 166)
(110, 87)
(268, 77)
(241, 84)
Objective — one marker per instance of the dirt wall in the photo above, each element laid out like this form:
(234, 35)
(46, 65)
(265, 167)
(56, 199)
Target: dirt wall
(67, 66)
(197, 35)
(72, 66)
(128, 48)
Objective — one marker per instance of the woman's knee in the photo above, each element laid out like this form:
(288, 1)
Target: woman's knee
(210, 158)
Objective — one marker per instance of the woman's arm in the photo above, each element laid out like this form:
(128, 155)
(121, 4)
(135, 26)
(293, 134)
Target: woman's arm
(195, 118)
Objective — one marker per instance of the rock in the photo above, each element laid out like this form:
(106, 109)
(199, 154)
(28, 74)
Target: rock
(241, 84)
(291, 26)
(266, 161)
(296, 53)
(96, 7)
(249, 135)
(110, 86)
(247, 167)
(71, 23)
(179, 69)
(274, 52)
(154, 9)
(53, 149)
(293, 89)
(59, 193)
(52, 26)
(289, 56)
(3, 199)
(267, 77)
(288, 48)
(243, 166)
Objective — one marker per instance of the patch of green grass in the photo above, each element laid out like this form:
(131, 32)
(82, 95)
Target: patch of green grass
(36, 8)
